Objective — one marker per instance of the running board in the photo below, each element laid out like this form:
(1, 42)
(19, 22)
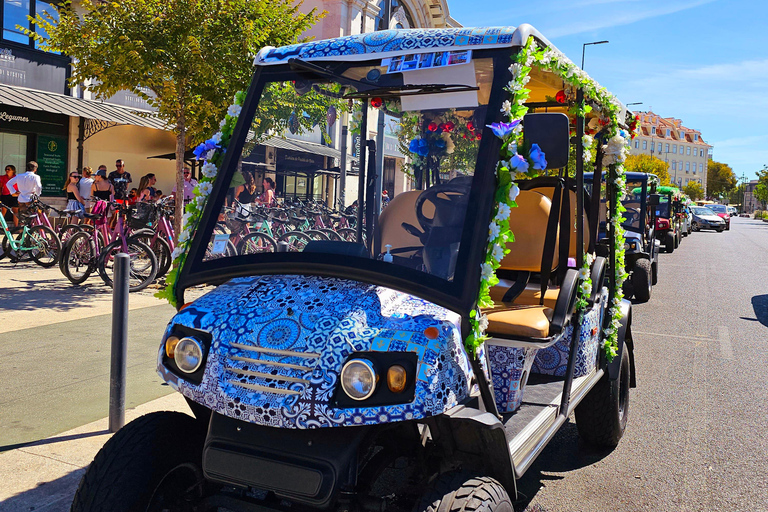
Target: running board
(526, 446)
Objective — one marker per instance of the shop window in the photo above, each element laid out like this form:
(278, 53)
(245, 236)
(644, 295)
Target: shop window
(15, 14)
(13, 151)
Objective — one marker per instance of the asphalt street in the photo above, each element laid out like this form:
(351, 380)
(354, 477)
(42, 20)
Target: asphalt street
(696, 438)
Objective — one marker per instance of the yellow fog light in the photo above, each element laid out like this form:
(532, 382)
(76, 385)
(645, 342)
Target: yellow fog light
(170, 346)
(396, 378)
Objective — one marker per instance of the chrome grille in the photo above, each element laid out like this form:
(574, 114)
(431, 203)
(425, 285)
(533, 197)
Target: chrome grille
(268, 370)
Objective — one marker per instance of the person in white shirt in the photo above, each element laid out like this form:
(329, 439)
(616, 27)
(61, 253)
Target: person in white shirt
(27, 185)
(85, 187)
(189, 186)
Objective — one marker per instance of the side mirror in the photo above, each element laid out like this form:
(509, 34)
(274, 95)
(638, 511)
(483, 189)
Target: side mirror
(654, 199)
(551, 132)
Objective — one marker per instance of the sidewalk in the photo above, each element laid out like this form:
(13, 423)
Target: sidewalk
(43, 476)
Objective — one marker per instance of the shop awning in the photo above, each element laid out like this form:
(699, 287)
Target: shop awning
(302, 146)
(77, 107)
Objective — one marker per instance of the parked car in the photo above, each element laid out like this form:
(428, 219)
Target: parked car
(722, 211)
(732, 211)
(704, 218)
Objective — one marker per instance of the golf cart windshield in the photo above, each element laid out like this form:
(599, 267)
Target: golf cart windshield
(662, 209)
(281, 200)
(634, 202)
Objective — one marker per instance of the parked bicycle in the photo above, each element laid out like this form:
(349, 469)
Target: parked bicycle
(40, 243)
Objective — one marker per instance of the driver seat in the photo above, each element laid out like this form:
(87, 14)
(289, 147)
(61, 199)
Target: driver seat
(401, 210)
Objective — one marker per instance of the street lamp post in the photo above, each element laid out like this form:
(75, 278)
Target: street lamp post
(584, 48)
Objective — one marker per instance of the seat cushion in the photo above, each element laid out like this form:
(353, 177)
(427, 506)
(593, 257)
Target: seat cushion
(530, 296)
(520, 322)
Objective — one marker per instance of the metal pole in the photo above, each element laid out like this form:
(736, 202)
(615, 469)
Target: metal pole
(119, 342)
(343, 166)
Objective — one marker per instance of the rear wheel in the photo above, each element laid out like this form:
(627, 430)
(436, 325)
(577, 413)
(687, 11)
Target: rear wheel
(256, 243)
(160, 247)
(669, 242)
(695, 226)
(47, 246)
(142, 267)
(66, 231)
(331, 234)
(642, 280)
(77, 258)
(316, 234)
(601, 416)
(461, 491)
(296, 240)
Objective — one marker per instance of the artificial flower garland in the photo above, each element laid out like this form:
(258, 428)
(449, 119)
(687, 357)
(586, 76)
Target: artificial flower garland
(512, 160)
(212, 153)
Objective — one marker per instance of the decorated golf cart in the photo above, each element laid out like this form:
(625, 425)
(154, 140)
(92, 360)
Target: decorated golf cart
(669, 217)
(434, 356)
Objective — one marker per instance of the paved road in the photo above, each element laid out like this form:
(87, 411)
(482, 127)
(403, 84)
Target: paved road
(696, 439)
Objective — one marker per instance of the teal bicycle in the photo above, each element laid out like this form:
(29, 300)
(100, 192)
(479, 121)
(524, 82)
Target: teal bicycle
(40, 243)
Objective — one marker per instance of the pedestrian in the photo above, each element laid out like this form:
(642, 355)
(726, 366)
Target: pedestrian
(75, 201)
(102, 189)
(86, 182)
(246, 193)
(27, 185)
(268, 196)
(133, 196)
(189, 186)
(7, 198)
(120, 179)
(147, 188)
(384, 199)
(158, 195)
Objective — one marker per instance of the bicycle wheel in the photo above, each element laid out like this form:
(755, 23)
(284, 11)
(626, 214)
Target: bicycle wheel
(14, 255)
(160, 247)
(331, 234)
(67, 230)
(296, 240)
(316, 234)
(78, 257)
(46, 246)
(348, 234)
(142, 266)
(256, 243)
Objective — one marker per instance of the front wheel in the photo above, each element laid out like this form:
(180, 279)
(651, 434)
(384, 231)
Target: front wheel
(695, 226)
(256, 243)
(160, 247)
(142, 267)
(78, 257)
(601, 416)
(669, 242)
(47, 246)
(296, 240)
(151, 464)
(460, 491)
(642, 280)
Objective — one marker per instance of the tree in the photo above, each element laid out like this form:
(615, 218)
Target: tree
(761, 194)
(650, 165)
(720, 179)
(694, 190)
(193, 55)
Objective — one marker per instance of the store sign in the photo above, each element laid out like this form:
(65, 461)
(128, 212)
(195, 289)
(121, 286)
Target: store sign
(9, 118)
(294, 159)
(26, 67)
(52, 162)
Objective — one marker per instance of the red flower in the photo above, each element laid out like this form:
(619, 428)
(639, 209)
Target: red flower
(449, 126)
(560, 97)
(432, 127)
(376, 102)
(471, 126)
(479, 136)
(464, 136)
(441, 127)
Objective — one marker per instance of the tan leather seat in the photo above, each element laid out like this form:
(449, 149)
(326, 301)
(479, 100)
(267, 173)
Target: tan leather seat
(531, 296)
(528, 223)
(549, 192)
(521, 321)
(402, 208)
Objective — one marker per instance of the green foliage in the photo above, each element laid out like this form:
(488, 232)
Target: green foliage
(694, 190)
(720, 179)
(650, 165)
(761, 193)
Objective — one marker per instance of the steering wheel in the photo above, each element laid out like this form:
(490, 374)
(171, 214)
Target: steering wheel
(632, 215)
(454, 191)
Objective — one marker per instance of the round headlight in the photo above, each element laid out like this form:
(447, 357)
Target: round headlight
(358, 379)
(188, 354)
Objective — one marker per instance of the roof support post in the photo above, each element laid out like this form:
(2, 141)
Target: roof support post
(580, 180)
(80, 141)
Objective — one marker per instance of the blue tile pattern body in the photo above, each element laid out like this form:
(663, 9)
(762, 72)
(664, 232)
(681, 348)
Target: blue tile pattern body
(510, 367)
(279, 343)
(388, 41)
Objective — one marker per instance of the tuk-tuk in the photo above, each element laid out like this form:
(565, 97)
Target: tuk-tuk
(668, 217)
(641, 256)
(427, 362)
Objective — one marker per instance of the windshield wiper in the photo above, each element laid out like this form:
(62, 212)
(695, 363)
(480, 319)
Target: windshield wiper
(410, 90)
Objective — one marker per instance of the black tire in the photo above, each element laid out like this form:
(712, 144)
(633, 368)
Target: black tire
(654, 273)
(677, 239)
(78, 258)
(627, 290)
(719, 230)
(601, 416)
(461, 491)
(67, 231)
(142, 266)
(146, 466)
(48, 245)
(695, 226)
(332, 235)
(316, 234)
(256, 243)
(669, 242)
(296, 240)
(642, 280)
(160, 247)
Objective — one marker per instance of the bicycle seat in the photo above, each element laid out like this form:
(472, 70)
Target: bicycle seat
(71, 212)
(91, 215)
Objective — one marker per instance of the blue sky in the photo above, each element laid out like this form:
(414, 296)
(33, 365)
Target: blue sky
(702, 61)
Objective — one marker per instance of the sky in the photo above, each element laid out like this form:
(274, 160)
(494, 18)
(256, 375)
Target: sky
(702, 61)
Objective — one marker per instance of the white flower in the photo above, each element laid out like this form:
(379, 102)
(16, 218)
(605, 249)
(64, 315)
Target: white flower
(358, 115)
(486, 271)
(176, 253)
(234, 110)
(216, 137)
(514, 191)
(204, 188)
(525, 80)
(209, 170)
(583, 273)
(516, 69)
(200, 200)
(223, 123)
(494, 231)
(504, 211)
(587, 156)
(587, 141)
(482, 322)
(209, 154)
(184, 236)
(185, 219)
(506, 107)
(590, 259)
(586, 287)
(497, 252)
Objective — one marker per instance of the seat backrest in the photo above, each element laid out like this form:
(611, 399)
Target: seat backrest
(528, 223)
(401, 208)
(549, 192)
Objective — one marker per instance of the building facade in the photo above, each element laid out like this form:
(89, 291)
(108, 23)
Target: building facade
(681, 148)
(751, 203)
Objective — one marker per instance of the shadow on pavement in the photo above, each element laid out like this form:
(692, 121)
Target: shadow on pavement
(56, 294)
(51, 440)
(563, 454)
(54, 496)
(760, 305)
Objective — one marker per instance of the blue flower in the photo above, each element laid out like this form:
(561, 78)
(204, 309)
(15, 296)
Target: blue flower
(204, 147)
(503, 130)
(537, 157)
(419, 147)
(518, 163)
(440, 144)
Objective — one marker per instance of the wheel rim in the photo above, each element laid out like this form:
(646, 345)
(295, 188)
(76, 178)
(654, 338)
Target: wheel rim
(179, 490)
(624, 390)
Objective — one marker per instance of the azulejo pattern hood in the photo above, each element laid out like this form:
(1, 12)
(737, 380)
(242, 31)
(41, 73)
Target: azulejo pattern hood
(279, 343)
